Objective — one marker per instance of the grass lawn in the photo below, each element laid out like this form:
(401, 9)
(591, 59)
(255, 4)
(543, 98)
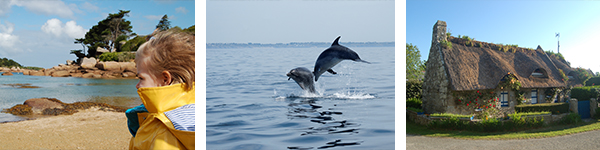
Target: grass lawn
(551, 131)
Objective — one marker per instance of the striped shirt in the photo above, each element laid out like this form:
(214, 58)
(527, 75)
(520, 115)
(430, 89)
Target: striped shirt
(183, 118)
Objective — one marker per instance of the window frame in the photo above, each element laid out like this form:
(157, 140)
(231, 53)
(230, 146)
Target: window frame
(504, 99)
(534, 96)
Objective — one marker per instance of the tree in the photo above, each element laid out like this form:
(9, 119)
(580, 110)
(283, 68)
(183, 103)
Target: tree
(190, 30)
(133, 44)
(106, 33)
(118, 26)
(582, 74)
(414, 65)
(164, 23)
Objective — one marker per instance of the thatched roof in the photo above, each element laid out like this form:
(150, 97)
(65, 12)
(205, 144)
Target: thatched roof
(481, 66)
(575, 82)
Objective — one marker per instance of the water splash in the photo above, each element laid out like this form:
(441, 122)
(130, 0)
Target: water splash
(351, 95)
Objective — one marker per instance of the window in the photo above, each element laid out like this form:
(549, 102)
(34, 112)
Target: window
(571, 75)
(539, 73)
(504, 99)
(534, 95)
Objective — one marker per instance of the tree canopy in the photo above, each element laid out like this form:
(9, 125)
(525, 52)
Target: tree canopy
(164, 23)
(106, 33)
(414, 65)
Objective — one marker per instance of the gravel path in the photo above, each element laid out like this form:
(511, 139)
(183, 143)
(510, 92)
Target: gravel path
(586, 140)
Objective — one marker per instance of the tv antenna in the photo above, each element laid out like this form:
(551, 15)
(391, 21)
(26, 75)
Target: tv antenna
(557, 36)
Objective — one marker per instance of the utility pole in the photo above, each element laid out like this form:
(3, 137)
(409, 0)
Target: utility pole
(557, 36)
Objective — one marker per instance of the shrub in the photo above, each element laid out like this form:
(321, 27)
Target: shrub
(449, 115)
(582, 75)
(414, 109)
(108, 57)
(489, 125)
(117, 56)
(593, 81)
(413, 89)
(585, 93)
(571, 118)
(555, 108)
(133, 44)
(414, 103)
(125, 56)
(452, 123)
(446, 44)
(529, 113)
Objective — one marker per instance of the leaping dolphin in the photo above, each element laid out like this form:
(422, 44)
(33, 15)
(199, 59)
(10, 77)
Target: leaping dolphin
(303, 77)
(332, 56)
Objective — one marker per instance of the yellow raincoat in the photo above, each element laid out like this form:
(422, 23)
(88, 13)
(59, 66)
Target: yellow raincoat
(156, 131)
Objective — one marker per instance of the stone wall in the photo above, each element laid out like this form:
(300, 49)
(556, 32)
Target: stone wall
(436, 89)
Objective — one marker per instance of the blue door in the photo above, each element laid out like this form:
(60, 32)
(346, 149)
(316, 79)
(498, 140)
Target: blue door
(584, 109)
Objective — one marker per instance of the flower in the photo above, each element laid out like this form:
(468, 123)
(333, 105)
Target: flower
(467, 104)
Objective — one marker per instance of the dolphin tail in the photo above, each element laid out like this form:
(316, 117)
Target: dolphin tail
(336, 41)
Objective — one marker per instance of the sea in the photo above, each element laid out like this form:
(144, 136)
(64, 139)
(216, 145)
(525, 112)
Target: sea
(251, 104)
(117, 92)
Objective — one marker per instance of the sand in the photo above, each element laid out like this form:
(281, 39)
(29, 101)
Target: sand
(86, 129)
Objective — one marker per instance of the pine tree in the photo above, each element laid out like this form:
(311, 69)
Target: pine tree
(164, 23)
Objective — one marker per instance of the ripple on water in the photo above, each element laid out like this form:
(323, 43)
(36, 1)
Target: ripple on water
(248, 146)
(235, 123)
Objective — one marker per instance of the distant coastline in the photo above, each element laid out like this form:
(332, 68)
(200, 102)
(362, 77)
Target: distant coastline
(296, 45)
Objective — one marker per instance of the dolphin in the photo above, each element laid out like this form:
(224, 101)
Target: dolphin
(303, 77)
(332, 56)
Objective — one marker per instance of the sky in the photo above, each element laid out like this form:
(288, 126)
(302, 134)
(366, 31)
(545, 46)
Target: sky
(299, 21)
(526, 23)
(41, 33)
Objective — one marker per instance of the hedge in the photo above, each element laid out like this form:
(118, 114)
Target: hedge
(585, 93)
(516, 123)
(414, 103)
(555, 108)
(593, 81)
(413, 89)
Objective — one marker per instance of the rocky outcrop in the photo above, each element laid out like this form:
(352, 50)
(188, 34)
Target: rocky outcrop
(7, 74)
(107, 70)
(89, 68)
(39, 104)
(61, 73)
(88, 63)
(53, 106)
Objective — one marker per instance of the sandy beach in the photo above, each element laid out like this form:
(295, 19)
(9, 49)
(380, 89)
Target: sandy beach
(86, 129)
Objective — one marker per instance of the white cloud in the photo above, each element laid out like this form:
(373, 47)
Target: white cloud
(53, 26)
(4, 7)
(90, 7)
(153, 17)
(47, 7)
(7, 39)
(73, 30)
(181, 10)
(57, 28)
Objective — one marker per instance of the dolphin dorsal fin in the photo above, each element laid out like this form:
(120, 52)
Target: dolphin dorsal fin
(336, 41)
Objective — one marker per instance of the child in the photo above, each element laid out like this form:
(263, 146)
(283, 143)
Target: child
(165, 66)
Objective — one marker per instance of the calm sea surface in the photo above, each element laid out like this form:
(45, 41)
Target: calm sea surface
(251, 104)
(118, 92)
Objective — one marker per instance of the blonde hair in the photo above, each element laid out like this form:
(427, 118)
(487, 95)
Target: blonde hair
(170, 51)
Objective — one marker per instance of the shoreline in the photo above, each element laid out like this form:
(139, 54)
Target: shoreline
(87, 129)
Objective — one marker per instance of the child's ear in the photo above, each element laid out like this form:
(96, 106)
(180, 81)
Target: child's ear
(166, 77)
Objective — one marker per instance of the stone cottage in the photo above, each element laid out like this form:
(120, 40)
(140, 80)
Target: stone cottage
(464, 76)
